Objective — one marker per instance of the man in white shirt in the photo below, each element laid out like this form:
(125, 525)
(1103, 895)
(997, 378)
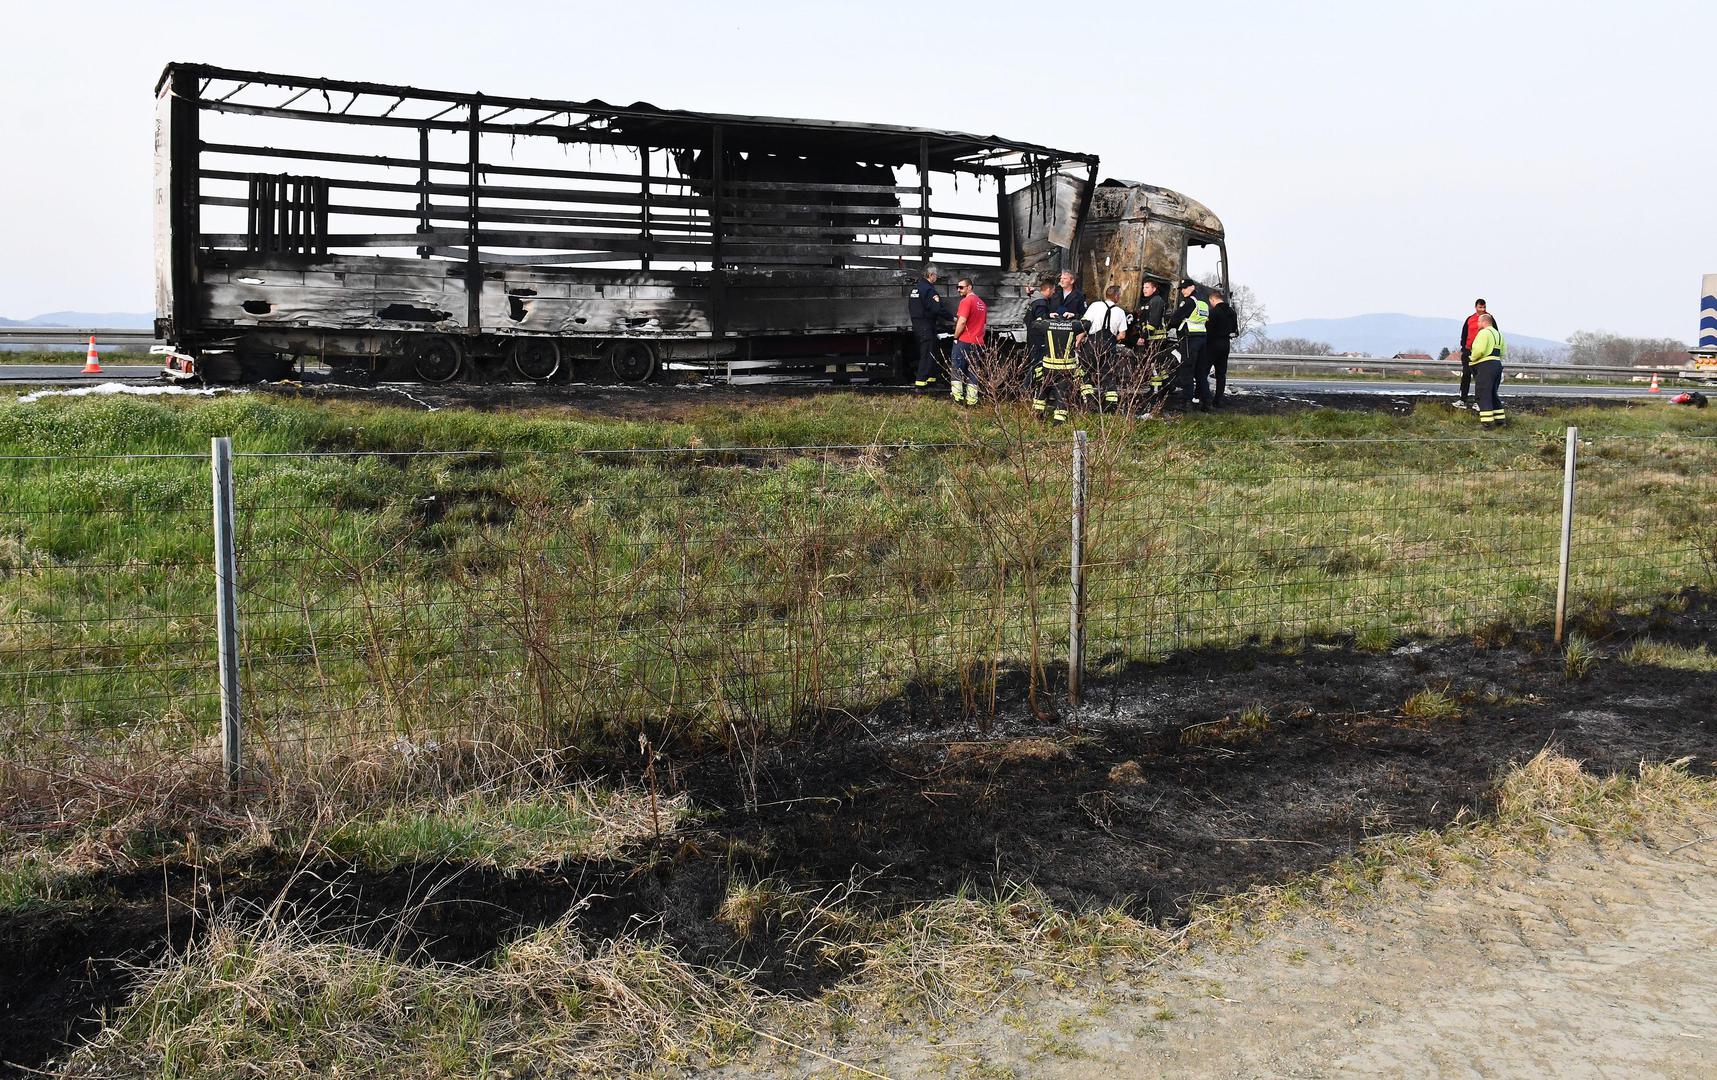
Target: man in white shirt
(1106, 359)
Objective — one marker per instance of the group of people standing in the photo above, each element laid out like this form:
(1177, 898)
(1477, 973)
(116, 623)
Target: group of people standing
(1087, 353)
(1482, 352)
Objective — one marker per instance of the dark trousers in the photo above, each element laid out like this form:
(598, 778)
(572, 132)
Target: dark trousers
(1195, 369)
(1487, 381)
(1217, 349)
(1111, 369)
(1058, 392)
(1466, 376)
(930, 367)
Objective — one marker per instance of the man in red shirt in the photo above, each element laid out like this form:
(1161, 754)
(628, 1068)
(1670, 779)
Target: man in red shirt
(969, 320)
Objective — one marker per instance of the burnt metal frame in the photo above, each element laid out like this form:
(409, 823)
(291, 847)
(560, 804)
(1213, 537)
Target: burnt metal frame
(631, 227)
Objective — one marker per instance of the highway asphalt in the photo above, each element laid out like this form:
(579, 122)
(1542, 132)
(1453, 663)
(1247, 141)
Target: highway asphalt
(1425, 389)
(72, 374)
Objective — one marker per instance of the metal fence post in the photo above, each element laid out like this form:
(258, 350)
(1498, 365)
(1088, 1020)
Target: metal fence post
(1567, 529)
(226, 606)
(1076, 561)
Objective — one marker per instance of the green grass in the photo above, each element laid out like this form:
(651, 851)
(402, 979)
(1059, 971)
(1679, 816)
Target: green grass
(1432, 705)
(542, 597)
(526, 826)
(1579, 656)
(543, 829)
(1650, 653)
(33, 879)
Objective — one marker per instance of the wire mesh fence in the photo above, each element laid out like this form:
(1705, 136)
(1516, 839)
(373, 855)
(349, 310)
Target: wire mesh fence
(1645, 519)
(1224, 543)
(106, 626)
(560, 598)
(575, 600)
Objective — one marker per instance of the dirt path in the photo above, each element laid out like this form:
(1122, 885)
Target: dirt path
(1586, 964)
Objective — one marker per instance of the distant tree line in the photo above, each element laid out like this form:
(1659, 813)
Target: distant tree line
(1603, 348)
(1290, 346)
(1590, 347)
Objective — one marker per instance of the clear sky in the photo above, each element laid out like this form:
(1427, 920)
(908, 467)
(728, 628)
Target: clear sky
(1557, 158)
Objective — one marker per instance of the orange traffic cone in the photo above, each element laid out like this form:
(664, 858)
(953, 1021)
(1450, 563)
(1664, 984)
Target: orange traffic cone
(91, 366)
(1653, 389)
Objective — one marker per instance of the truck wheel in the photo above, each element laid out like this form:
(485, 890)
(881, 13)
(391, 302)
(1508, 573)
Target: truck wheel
(433, 357)
(535, 358)
(632, 362)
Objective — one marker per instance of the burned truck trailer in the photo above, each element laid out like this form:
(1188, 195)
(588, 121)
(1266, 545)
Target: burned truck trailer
(457, 233)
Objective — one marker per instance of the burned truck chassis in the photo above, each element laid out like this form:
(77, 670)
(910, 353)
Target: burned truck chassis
(734, 238)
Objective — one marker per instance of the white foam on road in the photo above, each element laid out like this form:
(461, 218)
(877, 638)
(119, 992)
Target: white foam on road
(102, 389)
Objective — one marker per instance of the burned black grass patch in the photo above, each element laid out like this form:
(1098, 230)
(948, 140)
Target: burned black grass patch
(1303, 756)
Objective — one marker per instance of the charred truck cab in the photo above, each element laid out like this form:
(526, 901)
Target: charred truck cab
(1135, 233)
(466, 235)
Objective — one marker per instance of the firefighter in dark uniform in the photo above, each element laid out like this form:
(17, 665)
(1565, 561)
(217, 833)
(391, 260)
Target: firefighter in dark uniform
(1152, 332)
(1107, 362)
(1189, 320)
(1060, 365)
(1036, 339)
(929, 313)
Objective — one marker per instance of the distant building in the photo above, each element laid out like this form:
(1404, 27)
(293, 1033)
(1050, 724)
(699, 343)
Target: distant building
(1412, 356)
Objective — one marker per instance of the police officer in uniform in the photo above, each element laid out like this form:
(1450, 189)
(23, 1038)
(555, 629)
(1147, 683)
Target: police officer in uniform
(929, 313)
(1189, 320)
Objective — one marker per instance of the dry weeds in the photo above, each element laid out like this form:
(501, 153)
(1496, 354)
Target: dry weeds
(280, 1000)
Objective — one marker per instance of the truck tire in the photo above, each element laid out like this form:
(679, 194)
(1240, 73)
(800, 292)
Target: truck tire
(535, 359)
(434, 358)
(632, 362)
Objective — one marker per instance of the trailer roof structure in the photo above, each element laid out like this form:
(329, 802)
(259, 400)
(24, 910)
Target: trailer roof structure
(260, 93)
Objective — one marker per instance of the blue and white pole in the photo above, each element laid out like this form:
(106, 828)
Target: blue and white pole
(1708, 313)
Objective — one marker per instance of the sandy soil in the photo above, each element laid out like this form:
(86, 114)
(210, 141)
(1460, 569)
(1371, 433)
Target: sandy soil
(1588, 963)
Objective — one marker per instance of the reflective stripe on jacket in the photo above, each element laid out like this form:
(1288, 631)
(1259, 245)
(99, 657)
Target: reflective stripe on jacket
(1059, 335)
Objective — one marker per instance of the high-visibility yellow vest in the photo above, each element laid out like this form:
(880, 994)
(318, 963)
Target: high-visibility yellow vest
(1487, 345)
(1194, 323)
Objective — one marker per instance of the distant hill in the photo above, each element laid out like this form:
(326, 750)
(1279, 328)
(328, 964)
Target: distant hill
(81, 320)
(1388, 334)
(117, 320)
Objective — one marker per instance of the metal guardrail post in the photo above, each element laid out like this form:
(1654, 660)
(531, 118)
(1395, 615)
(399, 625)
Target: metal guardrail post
(1076, 561)
(1568, 464)
(226, 608)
